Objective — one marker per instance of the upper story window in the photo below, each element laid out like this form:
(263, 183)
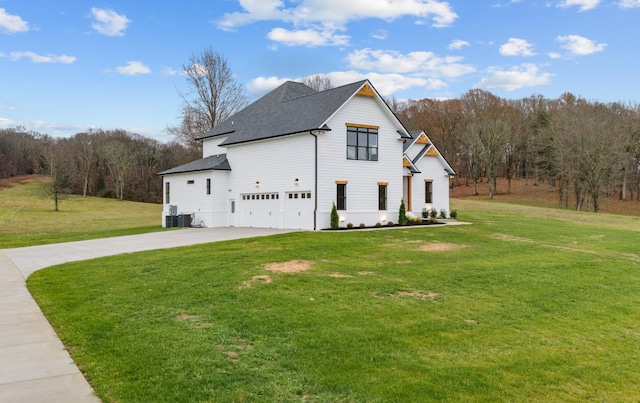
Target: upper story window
(362, 142)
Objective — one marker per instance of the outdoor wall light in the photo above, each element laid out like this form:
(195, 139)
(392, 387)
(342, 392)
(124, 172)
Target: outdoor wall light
(296, 182)
(257, 184)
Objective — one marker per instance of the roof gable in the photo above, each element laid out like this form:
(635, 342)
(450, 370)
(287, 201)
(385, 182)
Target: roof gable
(427, 149)
(290, 108)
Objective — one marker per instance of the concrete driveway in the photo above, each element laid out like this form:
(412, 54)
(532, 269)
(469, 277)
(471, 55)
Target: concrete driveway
(34, 365)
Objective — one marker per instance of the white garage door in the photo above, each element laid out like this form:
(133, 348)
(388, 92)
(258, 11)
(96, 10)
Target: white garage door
(298, 210)
(259, 210)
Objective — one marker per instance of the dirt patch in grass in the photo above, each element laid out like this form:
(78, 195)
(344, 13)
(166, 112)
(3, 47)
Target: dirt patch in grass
(418, 295)
(340, 275)
(440, 247)
(366, 273)
(292, 266)
(513, 238)
(194, 320)
(185, 316)
(256, 279)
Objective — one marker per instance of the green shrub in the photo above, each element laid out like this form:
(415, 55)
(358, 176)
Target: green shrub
(443, 213)
(433, 213)
(335, 220)
(453, 214)
(390, 223)
(402, 214)
(378, 225)
(350, 225)
(362, 225)
(425, 213)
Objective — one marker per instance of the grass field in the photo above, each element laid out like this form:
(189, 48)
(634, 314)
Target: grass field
(525, 304)
(27, 216)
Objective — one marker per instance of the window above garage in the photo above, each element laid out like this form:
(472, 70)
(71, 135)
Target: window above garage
(362, 142)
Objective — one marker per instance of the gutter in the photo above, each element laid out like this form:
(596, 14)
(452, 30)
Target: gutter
(315, 192)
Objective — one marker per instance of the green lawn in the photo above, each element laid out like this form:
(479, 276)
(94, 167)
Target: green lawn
(526, 304)
(27, 217)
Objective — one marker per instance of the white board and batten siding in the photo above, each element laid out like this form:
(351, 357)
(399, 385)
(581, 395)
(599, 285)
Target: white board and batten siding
(188, 191)
(264, 174)
(211, 146)
(362, 176)
(431, 169)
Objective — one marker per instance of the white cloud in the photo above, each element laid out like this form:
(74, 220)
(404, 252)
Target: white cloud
(133, 68)
(338, 11)
(420, 63)
(386, 84)
(332, 16)
(108, 22)
(12, 23)
(380, 34)
(525, 75)
(458, 44)
(168, 72)
(7, 108)
(579, 45)
(629, 3)
(516, 47)
(307, 37)
(36, 58)
(583, 5)
(261, 85)
(499, 5)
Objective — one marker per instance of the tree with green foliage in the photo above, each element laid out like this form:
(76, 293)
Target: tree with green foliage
(402, 214)
(335, 220)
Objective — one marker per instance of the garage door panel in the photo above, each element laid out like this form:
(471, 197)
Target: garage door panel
(299, 210)
(259, 210)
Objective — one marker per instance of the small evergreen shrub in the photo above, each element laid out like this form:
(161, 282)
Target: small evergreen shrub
(453, 214)
(443, 213)
(378, 224)
(335, 220)
(425, 213)
(433, 213)
(390, 223)
(362, 225)
(402, 214)
(349, 225)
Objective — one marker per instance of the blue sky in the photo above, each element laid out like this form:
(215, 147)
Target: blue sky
(70, 65)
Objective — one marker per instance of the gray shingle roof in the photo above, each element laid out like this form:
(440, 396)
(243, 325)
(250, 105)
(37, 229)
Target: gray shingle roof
(211, 163)
(290, 108)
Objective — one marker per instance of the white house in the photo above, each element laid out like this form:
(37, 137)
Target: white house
(285, 159)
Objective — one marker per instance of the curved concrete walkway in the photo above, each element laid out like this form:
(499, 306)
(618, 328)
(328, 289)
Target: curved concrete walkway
(34, 365)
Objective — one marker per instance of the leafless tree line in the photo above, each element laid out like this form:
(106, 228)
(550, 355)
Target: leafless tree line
(583, 149)
(111, 163)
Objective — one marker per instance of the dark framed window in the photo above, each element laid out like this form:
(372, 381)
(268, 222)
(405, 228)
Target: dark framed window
(341, 196)
(208, 186)
(382, 196)
(428, 192)
(362, 143)
(167, 193)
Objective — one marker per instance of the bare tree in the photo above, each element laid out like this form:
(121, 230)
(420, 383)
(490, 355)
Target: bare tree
(318, 82)
(213, 96)
(119, 157)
